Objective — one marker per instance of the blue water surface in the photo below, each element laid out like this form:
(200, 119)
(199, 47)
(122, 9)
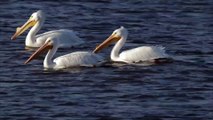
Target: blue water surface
(182, 90)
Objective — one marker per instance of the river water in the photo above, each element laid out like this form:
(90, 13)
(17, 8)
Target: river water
(181, 90)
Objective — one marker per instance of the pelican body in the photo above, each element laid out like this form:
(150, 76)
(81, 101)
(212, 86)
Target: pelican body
(75, 59)
(67, 37)
(139, 54)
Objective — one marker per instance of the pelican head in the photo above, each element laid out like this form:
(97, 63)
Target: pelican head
(34, 18)
(49, 44)
(114, 37)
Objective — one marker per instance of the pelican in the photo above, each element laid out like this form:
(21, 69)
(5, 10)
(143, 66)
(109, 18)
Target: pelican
(67, 37)
(139, 54)
(75, 59)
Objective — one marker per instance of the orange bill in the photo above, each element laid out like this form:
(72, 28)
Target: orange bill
(43, 48)
(107, 42)
(23, 28)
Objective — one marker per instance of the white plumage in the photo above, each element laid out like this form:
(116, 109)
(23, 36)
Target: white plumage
(67, 37)
(79, 58)
(139, 54)
(75, 59)
(144, 53)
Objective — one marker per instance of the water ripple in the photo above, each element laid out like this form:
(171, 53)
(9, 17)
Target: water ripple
(178, 90)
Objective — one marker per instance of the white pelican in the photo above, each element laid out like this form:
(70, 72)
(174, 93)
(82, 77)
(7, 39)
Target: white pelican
(67, 37)
(75, 59)
(139, 54)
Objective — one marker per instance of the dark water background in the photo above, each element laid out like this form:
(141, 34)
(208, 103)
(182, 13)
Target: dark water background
(182, 90)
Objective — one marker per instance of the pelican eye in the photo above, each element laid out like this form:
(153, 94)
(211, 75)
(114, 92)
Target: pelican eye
(115, 33)
(49, 41)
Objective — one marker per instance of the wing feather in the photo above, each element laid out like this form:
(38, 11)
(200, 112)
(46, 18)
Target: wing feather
(144, 53)
(78, 59)
(67, 38)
